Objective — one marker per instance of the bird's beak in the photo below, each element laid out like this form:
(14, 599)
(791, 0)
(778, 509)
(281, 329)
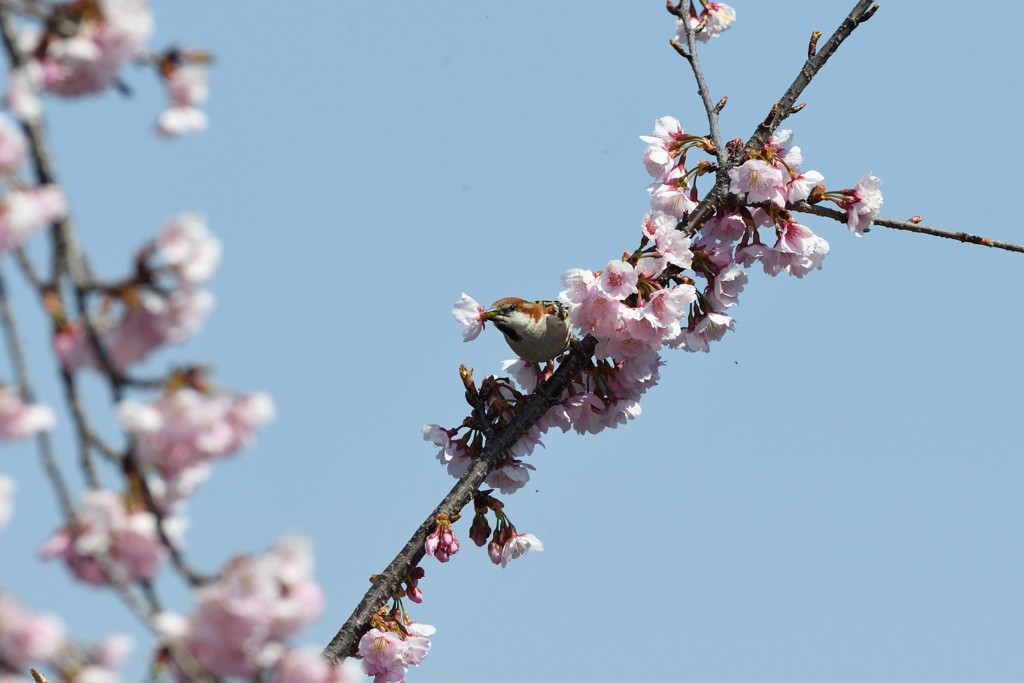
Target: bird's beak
(491, 314)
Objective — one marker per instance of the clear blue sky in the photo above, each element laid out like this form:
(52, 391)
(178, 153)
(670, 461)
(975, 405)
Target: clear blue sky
(833, 494)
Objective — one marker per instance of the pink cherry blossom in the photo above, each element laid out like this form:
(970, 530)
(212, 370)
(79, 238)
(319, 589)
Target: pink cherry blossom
(579, 286)
(510, 476)
(307, 665)
(800, 185)
(519, 545)
(781, 141)
(760, 181)
(13, 146)
(128, 539)
(673, 194)
(863, 203)
(187, 246)
(708, 328)
(723, 228)
(728, 284)
(88, 61)
(441, 542)
(523, 372)
(658, 159)
(185, 428)
(152, 321)
(241, 619)
(19, 420)
(387, 656)
(186, 89)
(27, 638)
(667, 306)
(470, 314)
(453, 454)
(673, 245)
(24, 212)
(719, 17)
(617, 280)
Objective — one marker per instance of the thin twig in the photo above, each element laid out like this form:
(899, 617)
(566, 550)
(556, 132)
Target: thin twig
(711, 108)
(840, 215)
(46, 451)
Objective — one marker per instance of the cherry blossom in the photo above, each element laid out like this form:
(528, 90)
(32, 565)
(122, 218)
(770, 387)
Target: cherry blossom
(110, 32)
(470, 314)
(27, 638)
(19, 420)
(716, 16)
(617, 281)
(387, 654)
(241, 619)
(24, 212)
(187, 246)
(13, 146)
(441, 542)
(862, 204)
(185, 428)
(760, 181)
(673, 195)
(127, 538)
(186, 89)
(519, 545)
(307, 665)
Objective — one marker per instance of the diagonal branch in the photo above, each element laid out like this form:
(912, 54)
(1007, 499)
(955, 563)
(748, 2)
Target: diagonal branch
(389, 581)
(547, 394)
(839, 215)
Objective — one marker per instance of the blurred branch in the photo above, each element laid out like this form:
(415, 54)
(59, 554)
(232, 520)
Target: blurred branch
(46, 451)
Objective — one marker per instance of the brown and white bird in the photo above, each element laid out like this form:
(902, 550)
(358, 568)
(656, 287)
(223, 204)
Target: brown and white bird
(538, 331)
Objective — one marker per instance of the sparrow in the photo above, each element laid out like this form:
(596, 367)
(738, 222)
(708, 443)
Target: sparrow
(538, 331)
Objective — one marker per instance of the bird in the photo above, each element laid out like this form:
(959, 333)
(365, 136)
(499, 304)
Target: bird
(538, 331)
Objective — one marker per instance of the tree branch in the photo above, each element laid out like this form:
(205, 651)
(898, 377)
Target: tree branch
(547, 394)
(840, 216)
(389, 581)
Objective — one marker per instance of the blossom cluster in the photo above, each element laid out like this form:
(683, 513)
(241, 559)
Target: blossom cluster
(115, 533)
(161, 303)
(19, 420)
(24, 209)
(182, 432)
(38, 640)
(80, 50)
(186, 79)
(714, 18)
(242, 620)
(393, 644)
(672, 291)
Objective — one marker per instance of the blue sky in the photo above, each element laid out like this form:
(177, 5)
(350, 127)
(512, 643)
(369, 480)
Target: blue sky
(832, 494)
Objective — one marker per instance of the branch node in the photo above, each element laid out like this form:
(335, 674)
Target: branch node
(680, 49)
(868, 14)
(797, 108)
(721, 104)
(812, 46)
